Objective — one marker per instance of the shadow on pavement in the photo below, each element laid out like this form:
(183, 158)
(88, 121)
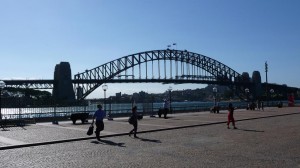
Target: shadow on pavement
(149, 140)
(10, 128)
(108, 142)
(248, 130)
(4, 129)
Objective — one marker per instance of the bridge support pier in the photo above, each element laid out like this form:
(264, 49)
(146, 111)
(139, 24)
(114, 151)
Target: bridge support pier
(63, 88)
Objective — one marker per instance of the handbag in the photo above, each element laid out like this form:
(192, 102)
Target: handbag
(130, 120)
(91, 129)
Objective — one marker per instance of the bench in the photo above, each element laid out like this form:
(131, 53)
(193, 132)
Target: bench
(79, 116)
(215, 109)
(163, 111)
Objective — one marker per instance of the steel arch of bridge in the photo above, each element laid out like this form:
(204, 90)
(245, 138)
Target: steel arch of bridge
(169, 66)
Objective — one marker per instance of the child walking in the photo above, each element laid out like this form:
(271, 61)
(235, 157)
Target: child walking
(230, 116)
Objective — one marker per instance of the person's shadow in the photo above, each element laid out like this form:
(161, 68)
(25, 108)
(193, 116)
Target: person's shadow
(249, 130)
(108, 142)
(149, 140)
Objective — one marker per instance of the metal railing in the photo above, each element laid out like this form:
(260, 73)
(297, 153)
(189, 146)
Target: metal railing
(117, 110)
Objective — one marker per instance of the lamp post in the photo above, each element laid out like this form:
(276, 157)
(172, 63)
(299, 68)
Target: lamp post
(152, 111)
(267, 93)
(54, 115)
(105, 87)
(170, 97)
(215, 90)
(247, 97)
(2, 85)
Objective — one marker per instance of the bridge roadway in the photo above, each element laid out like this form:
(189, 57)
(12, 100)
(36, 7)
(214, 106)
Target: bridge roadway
(269, 138)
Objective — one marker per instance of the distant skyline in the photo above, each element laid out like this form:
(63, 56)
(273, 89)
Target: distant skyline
(36, 35)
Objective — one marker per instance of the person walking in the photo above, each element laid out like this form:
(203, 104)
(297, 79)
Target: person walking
(166, 108)
(230, 116)
(258, 104)
(134, 119)
(262, 105)
(99, 115)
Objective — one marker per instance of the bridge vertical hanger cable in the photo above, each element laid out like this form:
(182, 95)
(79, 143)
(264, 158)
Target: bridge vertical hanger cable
(200, 70)
(111, 69)
(158, 69)
(187, 65)
(140, 77)
(146, 60)
(193, 68)
(205, 72)
(171, 65)
(165, 65)
(152, 67)
(132, 66)
(126, 67)
(119, 68)
(176, 65)
(181, 64)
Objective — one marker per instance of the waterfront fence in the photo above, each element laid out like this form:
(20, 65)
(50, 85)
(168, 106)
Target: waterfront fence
(116, 110)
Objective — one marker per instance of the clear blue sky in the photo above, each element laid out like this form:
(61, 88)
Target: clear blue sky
(35, 35)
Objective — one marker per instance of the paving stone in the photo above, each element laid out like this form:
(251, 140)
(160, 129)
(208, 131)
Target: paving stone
(262, 142)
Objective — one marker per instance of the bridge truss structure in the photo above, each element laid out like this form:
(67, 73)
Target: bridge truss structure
(32, 84)
(157, 66)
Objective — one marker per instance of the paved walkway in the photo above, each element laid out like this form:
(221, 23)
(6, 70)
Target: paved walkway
(268, 139)
(65, 131)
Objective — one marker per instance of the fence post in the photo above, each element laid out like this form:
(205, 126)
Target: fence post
(152, 110)
(54, 116)
(20, 117)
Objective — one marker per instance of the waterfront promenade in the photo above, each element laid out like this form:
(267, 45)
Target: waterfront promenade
(269, 138)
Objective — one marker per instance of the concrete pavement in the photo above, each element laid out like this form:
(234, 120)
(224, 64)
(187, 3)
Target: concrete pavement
(267, 138)
(44, 133)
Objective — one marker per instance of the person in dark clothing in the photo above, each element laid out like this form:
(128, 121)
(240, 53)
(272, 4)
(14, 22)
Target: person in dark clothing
(166, 108)
(99, 116)
(262, 105)
(230, 116)
(134, 121)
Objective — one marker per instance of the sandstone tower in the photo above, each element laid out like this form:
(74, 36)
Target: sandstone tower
(63, 88)
(256, 79)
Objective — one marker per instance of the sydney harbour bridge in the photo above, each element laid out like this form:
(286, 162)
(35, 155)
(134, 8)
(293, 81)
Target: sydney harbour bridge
(156, 66)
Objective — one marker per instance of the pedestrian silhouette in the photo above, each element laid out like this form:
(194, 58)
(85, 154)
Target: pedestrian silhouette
(99, 115)
(134, 119)
(230, 116)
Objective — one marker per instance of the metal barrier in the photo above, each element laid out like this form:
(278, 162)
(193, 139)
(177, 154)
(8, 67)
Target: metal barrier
(117, 110)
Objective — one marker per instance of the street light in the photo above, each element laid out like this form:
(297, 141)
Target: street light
(247, 93)
(267, 93)
(2, 85)
(170, 90)
(215, 90)
(105, 87)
